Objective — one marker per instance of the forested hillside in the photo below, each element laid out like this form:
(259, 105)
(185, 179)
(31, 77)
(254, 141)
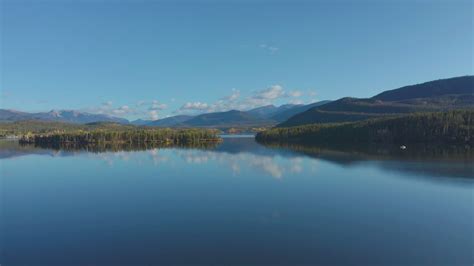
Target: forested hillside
(452, 127)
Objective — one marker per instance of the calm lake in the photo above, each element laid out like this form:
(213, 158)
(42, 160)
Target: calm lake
(237, 203)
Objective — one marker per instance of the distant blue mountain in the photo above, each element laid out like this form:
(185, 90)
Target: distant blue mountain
(231, 118)
(260, 116)
(263, 111)
(140, 122)
(284, 114)
(170, 121)
(68, 116)
(272, 112)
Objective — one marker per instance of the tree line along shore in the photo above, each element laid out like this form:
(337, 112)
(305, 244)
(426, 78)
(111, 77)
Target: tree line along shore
(53, 133)
(451, 127)
(166, 136)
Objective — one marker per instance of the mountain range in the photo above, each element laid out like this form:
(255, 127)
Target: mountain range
(69, 116)
(438, 95)
(261, 116)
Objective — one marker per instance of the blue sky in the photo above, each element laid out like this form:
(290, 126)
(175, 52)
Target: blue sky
(152, 59)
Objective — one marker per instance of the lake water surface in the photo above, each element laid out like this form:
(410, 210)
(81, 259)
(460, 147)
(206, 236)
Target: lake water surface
(239, 203)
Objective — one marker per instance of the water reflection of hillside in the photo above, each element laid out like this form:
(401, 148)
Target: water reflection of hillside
(350, 154)
(449, 161)
(278, 161)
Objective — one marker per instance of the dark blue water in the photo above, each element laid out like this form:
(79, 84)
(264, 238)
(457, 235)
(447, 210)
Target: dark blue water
(239, 203)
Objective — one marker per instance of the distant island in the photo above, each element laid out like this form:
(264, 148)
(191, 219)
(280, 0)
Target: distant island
(48, 133)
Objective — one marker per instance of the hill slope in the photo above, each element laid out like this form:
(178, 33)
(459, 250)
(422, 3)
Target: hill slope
(140, 122)
(285, 114)
(272, 112)
(170, 121)
(439, 95)
(457, 85)
(229, 118)
(263, 111)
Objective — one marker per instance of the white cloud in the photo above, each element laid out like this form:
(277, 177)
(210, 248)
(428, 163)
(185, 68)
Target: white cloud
(153, 114)
(155, 105)
(294, 93)
(196, 106)
(152, 109)
(234, 101)
(312, 96)
(271, 49)
(146, 109)
(122, 110)
(107, 108)
(271, 93)
(152, 105)
(234, 96)
(296, 101)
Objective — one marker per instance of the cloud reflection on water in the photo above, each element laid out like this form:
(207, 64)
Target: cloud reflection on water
(237, 162)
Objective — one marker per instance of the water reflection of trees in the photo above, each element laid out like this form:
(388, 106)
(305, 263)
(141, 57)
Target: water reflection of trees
(118, 147)
(348, 153)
